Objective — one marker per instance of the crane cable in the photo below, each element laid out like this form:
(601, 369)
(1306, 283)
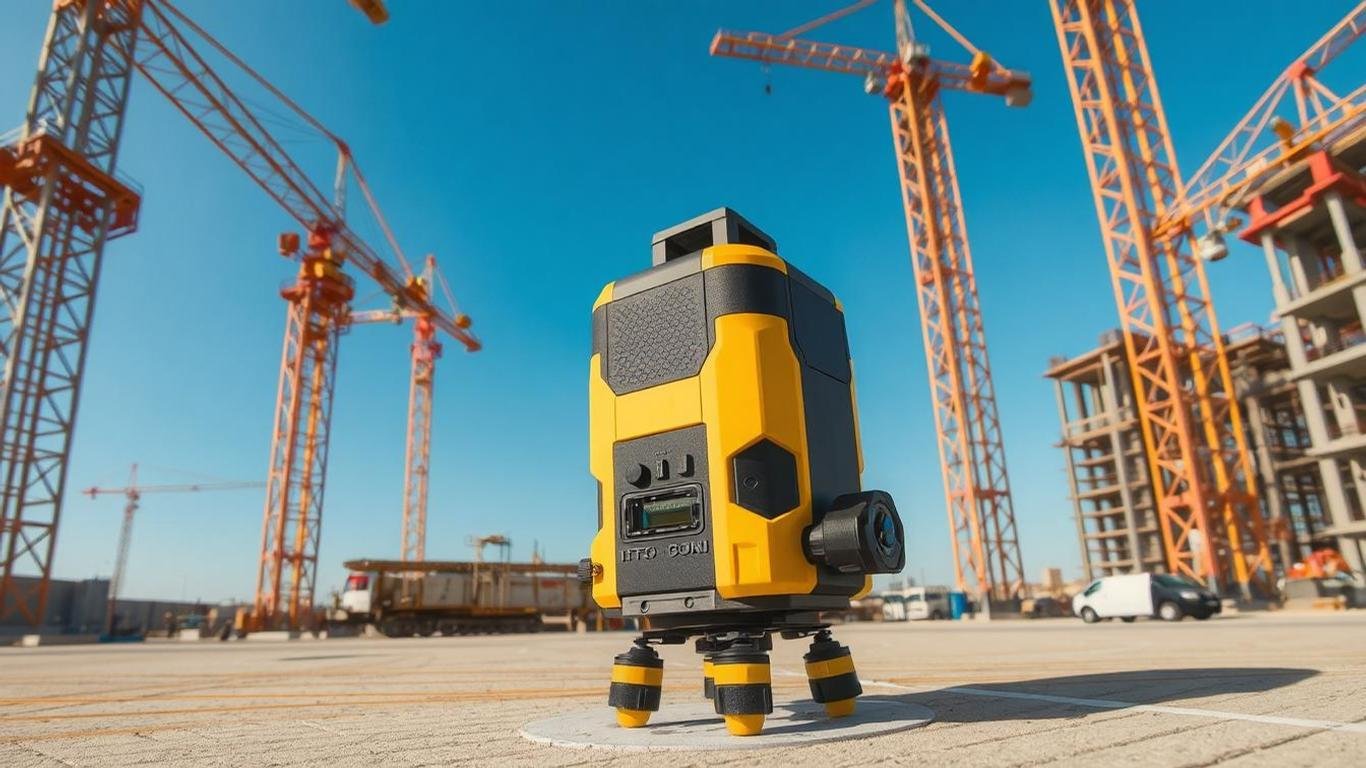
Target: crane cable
(342, 146)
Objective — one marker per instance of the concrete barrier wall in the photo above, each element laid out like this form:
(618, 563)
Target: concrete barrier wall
(78, 608)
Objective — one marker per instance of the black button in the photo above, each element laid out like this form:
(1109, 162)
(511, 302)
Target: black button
(638, 475)
(688, 468)
(765, 479)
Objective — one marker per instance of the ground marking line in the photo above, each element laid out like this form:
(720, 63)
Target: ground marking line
(1295, 722)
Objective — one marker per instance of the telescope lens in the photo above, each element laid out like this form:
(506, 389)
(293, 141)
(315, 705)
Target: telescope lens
(887, 539)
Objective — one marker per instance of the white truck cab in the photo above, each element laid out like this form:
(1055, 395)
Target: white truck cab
(356, 597)
(916, 604)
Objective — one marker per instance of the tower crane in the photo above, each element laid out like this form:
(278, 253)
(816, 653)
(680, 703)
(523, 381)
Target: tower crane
(416, 460)
(986, 550)
(63, 201)
(132, 494)
(1200, 466)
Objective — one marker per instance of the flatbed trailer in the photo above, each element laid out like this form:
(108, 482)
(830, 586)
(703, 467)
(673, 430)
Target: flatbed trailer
(402, 599)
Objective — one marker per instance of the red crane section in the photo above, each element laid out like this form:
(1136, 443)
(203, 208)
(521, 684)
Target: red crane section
(1297, 114)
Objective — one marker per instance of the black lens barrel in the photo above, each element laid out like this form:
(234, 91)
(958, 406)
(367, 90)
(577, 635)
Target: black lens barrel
(860, 533)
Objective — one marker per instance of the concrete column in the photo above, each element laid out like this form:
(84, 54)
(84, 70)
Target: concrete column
(1344, 410)
(1290, 327)
(1079, 400)
(1294, 343)
(1110, 397)
(1072, 482)
(1271, 490)
(1314, 417)
(1273, 265)
(1351, 257)
(1335, 493)
(1304, 268)
(1321, 331)
(1107, 390)
(1358, 475)
(1353, 550)
(1351, 254)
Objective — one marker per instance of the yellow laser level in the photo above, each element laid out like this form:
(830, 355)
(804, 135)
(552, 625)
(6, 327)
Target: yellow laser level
(723, 436)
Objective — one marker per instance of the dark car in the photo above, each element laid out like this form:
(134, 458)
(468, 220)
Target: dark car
(1131, 595)
(1174, 598)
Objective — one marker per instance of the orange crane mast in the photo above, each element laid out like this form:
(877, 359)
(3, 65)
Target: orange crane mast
(1210, 517)
(132, 494)
(63, 201)
(1199, 462)
(425, 349)
(319, 299)
(986, 550)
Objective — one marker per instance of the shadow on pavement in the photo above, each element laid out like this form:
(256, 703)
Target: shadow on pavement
(1016, 700)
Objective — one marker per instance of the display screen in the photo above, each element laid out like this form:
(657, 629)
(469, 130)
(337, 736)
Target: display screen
(666, 513)
(676, 509)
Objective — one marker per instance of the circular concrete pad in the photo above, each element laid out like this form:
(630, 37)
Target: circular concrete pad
(697, 727)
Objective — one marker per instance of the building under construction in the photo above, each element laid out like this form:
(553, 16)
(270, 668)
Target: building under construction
(1301, 388)
(1107, 463)
(1309, 220)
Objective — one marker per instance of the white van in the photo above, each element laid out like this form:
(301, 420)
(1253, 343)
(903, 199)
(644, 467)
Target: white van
(1129, 596)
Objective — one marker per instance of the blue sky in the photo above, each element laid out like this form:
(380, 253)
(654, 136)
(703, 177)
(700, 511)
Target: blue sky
(534, 151)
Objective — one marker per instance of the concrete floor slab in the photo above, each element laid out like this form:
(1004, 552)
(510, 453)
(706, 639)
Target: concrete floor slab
(697, 727)
(1269, 689)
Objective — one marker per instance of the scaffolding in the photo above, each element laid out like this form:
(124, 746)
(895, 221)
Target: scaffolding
(1288, 479)
(1107, 467)
(1309, 220)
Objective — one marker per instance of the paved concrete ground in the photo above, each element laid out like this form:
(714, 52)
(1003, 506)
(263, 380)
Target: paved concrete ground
(1279, 690)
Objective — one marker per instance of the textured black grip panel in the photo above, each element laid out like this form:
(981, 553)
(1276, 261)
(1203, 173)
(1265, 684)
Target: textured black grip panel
(753, 699)
(837, 688)
(657, 336)
(631, 696)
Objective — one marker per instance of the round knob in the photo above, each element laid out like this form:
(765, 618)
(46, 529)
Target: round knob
(639, 475)
(585, 571)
